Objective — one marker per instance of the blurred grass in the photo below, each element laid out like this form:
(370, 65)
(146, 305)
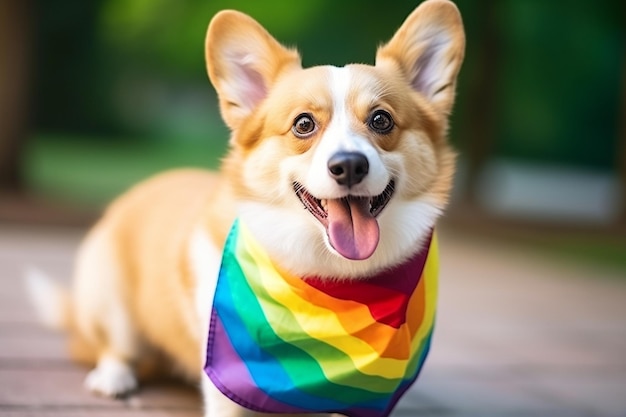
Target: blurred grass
(91, 172)
(596, 251)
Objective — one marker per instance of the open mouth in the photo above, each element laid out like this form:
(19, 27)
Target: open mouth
(319, 208)
(350, 221)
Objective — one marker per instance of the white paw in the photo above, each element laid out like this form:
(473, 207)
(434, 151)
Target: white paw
(112, 378)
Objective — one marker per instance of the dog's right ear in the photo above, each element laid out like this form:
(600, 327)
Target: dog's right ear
(243, 61)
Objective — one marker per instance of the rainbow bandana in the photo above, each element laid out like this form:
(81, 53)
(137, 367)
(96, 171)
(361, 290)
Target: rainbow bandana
(282, 344)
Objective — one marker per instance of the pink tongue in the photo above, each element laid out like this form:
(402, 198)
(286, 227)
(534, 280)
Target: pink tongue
(352, 230)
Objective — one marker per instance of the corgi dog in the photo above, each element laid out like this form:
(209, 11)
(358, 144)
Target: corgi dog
(332, 185)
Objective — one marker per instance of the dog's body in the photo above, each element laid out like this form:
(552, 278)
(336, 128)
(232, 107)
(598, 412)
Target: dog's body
(362, 148)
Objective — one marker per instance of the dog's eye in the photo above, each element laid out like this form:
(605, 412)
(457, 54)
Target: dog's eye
(303, 126)
(381, 122)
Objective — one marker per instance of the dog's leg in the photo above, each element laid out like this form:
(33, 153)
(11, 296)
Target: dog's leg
(216, 404)
(205, 261)
(102, 319)
(112, 377)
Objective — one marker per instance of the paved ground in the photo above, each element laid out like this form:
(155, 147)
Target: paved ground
(517, 335)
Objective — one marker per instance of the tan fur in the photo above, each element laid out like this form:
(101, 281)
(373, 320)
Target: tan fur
(149, 228)
(134, 300)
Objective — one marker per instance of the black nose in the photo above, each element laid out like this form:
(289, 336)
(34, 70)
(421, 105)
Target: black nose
(348, 168)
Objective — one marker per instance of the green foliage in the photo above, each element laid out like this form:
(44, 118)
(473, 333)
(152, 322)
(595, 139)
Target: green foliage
(136, 67)
(91, 172)
(170, 33)
(559, 82)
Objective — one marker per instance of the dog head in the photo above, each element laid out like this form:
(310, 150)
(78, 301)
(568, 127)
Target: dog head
(339, 171)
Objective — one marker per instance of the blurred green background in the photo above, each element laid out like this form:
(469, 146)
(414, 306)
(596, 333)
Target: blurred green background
(96, 95)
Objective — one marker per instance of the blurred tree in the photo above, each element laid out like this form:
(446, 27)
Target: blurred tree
(15, 70)
(74, 72)
(541, 83)
(111, 66)
(621, 145)
(479, 77)
(558, 85)
(168, 35)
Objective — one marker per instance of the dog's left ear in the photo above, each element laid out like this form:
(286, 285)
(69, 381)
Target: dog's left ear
(428, 49)
(243, 61)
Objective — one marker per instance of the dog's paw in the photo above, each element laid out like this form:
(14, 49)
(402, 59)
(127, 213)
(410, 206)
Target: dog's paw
(111, 378)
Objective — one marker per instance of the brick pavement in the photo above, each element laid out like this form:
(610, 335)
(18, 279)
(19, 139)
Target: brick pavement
(517, 335)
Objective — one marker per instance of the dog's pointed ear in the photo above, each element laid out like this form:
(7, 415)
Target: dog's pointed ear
(428, 49)
(243, 60)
